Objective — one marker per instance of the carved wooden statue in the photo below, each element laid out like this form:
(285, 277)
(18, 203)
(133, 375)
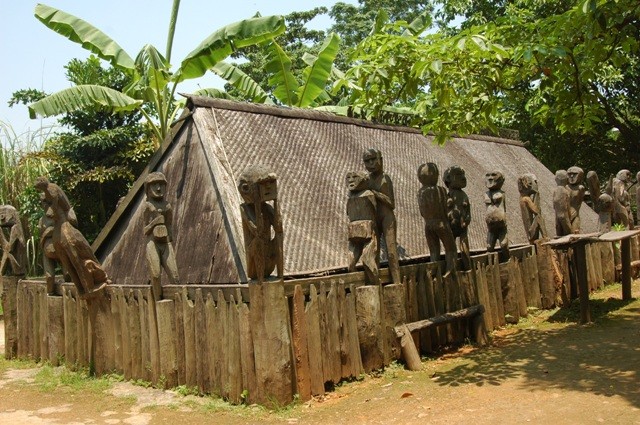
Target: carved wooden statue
(49, 259)
(530, 207)
(158, 220)
(363, 242)
(561, 204)
(622, 199)
(386, 227)
(258, 186)
(602, 202)
(71, 248)
(576, 196)
(14, 252)
(496, 215)
(432, 200)
(459, 210)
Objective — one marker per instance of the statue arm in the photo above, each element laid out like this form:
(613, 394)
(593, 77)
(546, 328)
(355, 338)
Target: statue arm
(168, 221)
(246, 221)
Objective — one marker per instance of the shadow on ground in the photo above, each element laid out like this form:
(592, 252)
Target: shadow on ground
(601, 358)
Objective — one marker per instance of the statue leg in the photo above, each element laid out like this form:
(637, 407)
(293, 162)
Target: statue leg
(369, 263)
(355, 252)
(153, 261)
(49, 273)
(444, 232)
(169, 264)
(504, 244)
(465, 251)
(392, 249)
(433, 243)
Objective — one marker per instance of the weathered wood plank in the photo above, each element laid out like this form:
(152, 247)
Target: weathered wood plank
(118, 352)
(145, 346)
(246, 353)
(10, 311)
(369, 316)
(55, 329)
(333, 327)
(188, 311)
(165, 313)
(234, 371)
(314, 342)
(300, 345)
(222, 351)
(180, 341)
(394, 313)
(212, 343)
(200, 335)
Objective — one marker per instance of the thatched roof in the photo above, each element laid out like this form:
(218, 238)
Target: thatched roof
(310, 152)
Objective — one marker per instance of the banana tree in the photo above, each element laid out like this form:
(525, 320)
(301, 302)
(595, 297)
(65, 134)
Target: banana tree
(287, 90)
(153, 83)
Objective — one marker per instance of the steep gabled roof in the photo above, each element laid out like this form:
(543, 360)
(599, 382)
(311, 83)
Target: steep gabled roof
(310, 152)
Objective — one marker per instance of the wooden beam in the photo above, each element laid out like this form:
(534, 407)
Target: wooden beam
(439, 320)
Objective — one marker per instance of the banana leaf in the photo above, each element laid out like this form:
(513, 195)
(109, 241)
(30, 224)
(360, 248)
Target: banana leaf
(241, 81)
(317, 74)
(279, 66)
(85, 34)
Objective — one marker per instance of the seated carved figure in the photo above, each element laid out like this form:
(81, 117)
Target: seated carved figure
(602, 202)
(432, 200)
(530, 207)
(14, 254)
(459, 210)
(158, 220)
(361, 210)
(71, 248)
(561, 204)
(258, 186)
(496, 215)
(576, 196)
(622, 200)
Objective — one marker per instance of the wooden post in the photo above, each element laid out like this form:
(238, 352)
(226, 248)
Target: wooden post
(10, 309)
(333, 326)
(507, 285)
(368, 312)
(165, 313)
(180, 341)
(314, 341)
(352, 324)
(246, 353)
(234, 367)
(394, 314)
(580, 261)
(55, 329)
(200, 336)
(409, 351)
(625, 258)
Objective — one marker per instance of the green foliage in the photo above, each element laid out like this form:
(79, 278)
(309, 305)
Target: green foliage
(152, 84)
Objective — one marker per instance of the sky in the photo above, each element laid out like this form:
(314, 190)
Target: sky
(34, 56)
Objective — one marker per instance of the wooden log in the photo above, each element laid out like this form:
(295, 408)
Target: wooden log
(234, 368)
(212, 338)
(333, 326)
(165, 314)
(439, 320)
(200, 336)
(117, 330)
(180, 340)
(491, 290)
(597, 265)
(591, 270)
(345, 361)
(409, 351)
(535, 295)
(368, 313)
(271, 343)
(411, 303)
(607, 262)
(509, 297)
(499, 301)
(352, 324)
(246, 353)
(133, 313)
(314, 342)
(188, 311)
(300, 345)
(154, 336)
(430, 334)
(71, 330)
(10, 312)
(517, 266)
(123, 306)
(423, 307)
(483, 294)
(327, 363)
(394, 314)
(145, 346)
(441, 304)
(55, 314)
(222, 315)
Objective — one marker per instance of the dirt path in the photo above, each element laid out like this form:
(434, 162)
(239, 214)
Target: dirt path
(545, 370)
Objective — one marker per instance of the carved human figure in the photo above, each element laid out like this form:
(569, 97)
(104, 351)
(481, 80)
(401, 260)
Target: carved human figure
(561, 204)
(432, 200)
(459, 210)
(71, 248)
(386, 227)
(49, 259)
(12, 243)
(602, 202)
(576, 196)
(158, 228)
(496, 215)
(530, 207)
(258, 186)
(361, 210)
(622, 200)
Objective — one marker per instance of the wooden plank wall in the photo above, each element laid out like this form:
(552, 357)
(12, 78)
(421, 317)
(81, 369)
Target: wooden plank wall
(301, 338)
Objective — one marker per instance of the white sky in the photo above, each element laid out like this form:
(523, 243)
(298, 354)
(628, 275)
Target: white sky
(33, 56)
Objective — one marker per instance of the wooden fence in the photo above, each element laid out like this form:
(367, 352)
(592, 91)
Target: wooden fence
(265, 343)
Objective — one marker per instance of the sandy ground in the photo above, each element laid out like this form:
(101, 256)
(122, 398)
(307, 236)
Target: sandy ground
(546, 370)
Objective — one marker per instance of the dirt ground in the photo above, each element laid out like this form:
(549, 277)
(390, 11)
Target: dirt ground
(547, 369)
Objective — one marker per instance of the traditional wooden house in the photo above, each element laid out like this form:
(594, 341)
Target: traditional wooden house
(311, 152)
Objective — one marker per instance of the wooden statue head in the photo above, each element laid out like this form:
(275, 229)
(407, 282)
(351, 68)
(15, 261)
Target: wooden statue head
(8, 216)
(357, 181)
(428, 174)
(494, 180)
(624, 176)
(575, 175)
(155, 185)
(257, 183)
(527, 184)
(562, 178)
(454, 177)
(372, 159)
